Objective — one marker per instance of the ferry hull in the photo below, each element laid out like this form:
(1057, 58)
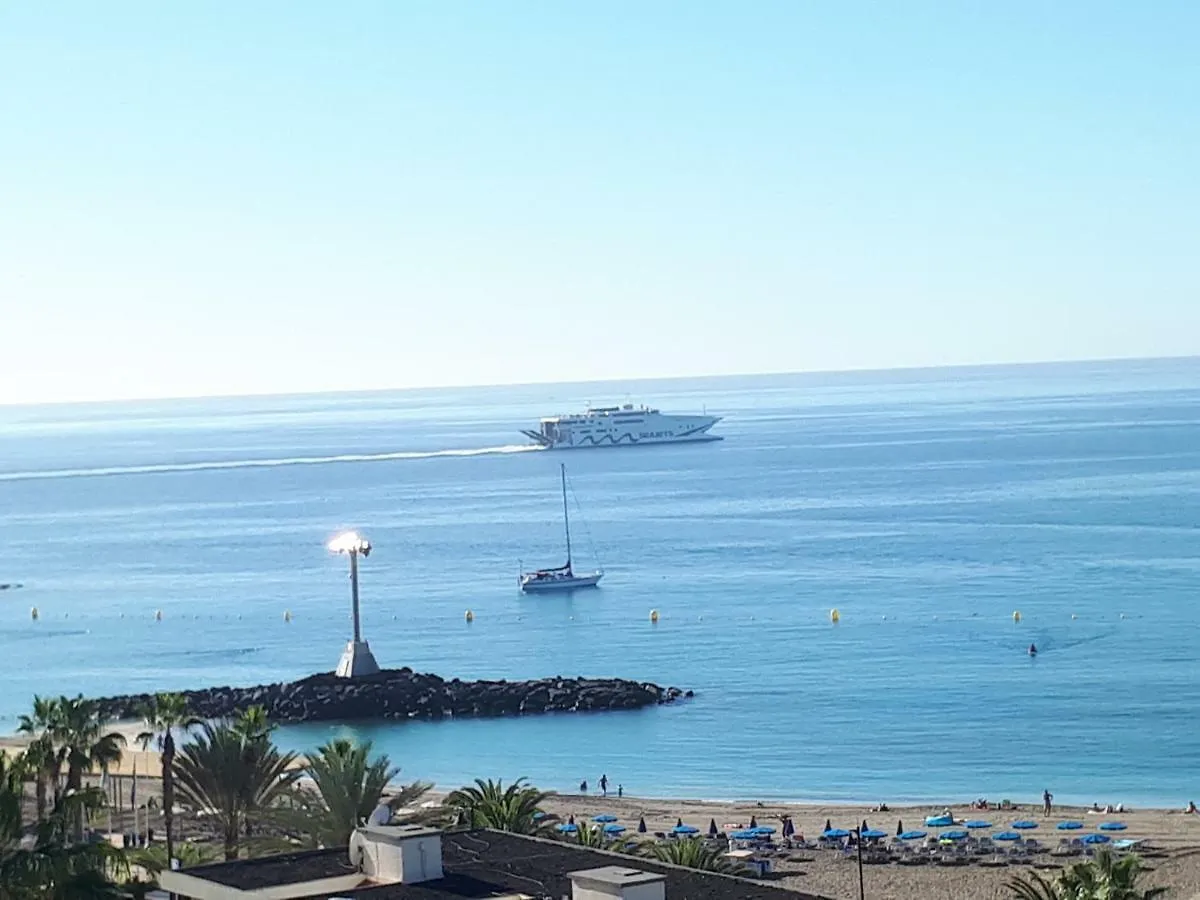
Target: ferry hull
(610, 442)
(621, 426)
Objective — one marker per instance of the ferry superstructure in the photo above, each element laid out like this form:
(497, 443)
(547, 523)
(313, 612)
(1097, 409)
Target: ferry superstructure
(621, 426)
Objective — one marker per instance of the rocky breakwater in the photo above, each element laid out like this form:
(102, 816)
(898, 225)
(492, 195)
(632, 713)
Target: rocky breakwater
(405, 694)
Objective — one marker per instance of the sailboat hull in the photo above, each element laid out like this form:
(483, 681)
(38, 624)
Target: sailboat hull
(532, 585)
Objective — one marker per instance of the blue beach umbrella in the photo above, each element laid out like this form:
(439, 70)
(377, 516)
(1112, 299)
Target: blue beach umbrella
(1096, 839)
(568, 828)
(642, 825)
(745, 835)
(685, 829)
(1024, 825)
(763, 829)
(912, 835)
(1069, 826)
(1008, 836)
(955, 834)
(713, 831)
(874, 834)
(610, 828)
(835, 833)
(978, 823)
(939, 821)
(604, 818)
(788, 828)
(1112, 826)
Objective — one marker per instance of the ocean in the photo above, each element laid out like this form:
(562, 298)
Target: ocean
(925, 506)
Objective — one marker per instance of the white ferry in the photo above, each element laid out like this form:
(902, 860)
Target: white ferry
(617, 426)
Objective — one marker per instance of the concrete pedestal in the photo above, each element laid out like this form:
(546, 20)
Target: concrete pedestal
(356, 661)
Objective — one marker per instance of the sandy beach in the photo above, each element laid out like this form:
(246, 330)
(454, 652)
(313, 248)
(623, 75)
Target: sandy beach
(1172, 836)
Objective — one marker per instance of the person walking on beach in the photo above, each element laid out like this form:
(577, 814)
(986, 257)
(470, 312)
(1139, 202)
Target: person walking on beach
(1047, 801)
(604, 785)
(621, 791)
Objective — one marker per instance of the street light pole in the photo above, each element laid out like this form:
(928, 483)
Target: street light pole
(354, 594)
(357, 659)
(862, 891)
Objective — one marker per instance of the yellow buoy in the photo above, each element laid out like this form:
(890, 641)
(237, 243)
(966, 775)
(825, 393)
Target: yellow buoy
(287, 615)
(470, 616)
(158, 615)
(33, 613)
(1017, 616)
(835, 616)
(654, 615)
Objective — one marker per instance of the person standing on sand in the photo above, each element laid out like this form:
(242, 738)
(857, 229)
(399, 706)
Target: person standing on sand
(583, 786)
(604, 785)
(621, 791)
(1047, 801)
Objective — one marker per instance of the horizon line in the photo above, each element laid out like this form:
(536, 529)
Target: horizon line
(148, 398)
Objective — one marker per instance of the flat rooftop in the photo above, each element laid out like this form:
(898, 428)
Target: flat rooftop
(480, 864)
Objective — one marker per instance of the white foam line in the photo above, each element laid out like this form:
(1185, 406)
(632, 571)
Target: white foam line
(257, 463)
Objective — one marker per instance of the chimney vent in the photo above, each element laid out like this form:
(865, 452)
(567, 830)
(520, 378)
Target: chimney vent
(617, 883)
(404, 854)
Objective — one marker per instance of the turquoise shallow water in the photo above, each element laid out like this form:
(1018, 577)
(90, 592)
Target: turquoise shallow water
(925, 506)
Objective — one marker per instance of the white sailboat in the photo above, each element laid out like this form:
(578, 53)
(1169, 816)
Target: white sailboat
(562, 578)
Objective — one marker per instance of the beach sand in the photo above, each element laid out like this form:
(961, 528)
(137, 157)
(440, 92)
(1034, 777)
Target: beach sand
(827, 873)
(1174, 836)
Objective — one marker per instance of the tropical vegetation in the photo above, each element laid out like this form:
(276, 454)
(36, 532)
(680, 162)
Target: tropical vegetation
(588, 835)
(1105, 877)
(165, 714)
(237, 775)
(348, 785)
(70, 733)
(49, 863)
(693, 853)
(489, 804)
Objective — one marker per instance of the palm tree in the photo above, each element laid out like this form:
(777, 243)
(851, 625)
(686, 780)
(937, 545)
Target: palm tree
(12, 789)
(84, 743)
(1106, 877)
(237, 778)
(489, 804)
(589, 835)
(349, 786)
(692, 853)
(252, 722)
(53, 867)
(1034, 887)
(163, 715)
(41, 755)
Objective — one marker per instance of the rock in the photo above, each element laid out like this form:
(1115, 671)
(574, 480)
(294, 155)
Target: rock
(404, 694)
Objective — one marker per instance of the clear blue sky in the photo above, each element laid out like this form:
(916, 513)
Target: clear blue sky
(208, 197)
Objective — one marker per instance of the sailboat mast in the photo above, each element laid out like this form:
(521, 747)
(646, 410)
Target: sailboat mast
(566, 515)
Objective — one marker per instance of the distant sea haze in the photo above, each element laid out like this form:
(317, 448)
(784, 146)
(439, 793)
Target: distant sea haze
(926, 507)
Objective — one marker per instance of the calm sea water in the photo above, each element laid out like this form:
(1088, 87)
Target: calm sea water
(926, 506)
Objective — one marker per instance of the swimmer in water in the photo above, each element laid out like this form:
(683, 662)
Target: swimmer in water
(1033, 650)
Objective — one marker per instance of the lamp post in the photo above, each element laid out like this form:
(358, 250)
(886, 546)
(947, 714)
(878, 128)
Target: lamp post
(356, 658)
(862, 891)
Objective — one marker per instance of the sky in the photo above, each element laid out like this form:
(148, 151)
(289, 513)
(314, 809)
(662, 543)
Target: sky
(201, 198)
